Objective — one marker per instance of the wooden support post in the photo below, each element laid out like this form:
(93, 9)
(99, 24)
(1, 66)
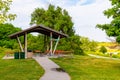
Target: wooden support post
(20, 44)
(51, 42)
(56, 44)
(25, 43)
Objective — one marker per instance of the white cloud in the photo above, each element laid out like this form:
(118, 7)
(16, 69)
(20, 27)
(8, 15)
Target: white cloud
(58, 2)
(85, 17)
(82, 1)
(23, 9)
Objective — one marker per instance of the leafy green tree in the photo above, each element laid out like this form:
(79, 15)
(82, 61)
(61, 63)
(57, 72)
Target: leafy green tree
(71, 44)
(112, 29)
(85, 42)
(53, 17)
(5, 30)
(103, 49)
(35, 42)
(93, 45)
(75, 44)
(4, 11)
(88, 45)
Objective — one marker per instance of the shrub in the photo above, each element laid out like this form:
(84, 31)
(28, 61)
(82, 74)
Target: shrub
(103, 49)
(114, 56)
(71, 44)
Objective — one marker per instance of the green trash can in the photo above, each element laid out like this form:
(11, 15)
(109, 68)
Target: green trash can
(22, 55)
(16, 55)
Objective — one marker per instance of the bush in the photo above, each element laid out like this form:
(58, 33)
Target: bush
(79, 52)
(103, 50)
(118, 55)
(71, 44)
(107, 55)
(2, 51)
(114, 56)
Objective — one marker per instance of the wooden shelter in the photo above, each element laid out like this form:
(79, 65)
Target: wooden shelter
(40, 29)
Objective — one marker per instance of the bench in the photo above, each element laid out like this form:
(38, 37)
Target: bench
(9, 53)
(37, 52)
(62, 53)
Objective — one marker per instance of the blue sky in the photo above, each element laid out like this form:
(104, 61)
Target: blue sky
(87, 2)
(68, 2)
(85, 14)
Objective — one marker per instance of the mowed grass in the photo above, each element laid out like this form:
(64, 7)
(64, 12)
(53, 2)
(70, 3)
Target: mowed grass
(89, 68)
(22, 69)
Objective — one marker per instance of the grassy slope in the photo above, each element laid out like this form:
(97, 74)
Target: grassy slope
(88, 68)
(24, 69)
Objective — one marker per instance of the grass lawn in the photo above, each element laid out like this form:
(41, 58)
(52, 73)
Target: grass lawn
(89, 68)
(23, 69)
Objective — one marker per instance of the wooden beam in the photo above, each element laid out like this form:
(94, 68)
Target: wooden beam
(20, 44)
(56, 44)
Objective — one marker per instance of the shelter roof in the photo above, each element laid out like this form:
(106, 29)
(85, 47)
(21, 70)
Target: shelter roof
(40, 29)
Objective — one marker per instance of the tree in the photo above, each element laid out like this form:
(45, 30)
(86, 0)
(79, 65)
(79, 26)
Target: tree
(4, 11)
(103, 49)
(93, 45)
(71, 44)
(53, 17)
(75, 44)
(35, 42)
(88, 45)
(5, 31)
(112, 29)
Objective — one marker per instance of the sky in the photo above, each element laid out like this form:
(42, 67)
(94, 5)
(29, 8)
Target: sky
(85, 14)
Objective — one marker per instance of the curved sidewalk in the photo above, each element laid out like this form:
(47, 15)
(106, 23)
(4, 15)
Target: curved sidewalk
(97, 56)
(50, 70)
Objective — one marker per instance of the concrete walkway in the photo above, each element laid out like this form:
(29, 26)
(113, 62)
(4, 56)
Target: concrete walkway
(8, 57)
(96, 56)
(50, 70)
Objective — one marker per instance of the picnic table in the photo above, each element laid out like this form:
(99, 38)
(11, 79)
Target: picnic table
(37, 52)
